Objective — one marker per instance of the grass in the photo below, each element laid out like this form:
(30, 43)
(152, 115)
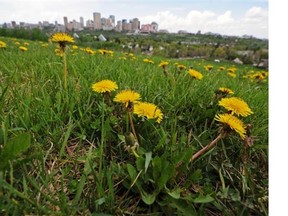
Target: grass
(77, 162)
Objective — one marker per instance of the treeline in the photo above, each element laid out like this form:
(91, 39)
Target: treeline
(249, 50)
(29, 34)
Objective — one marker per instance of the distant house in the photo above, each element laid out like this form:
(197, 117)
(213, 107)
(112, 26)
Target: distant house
(102, 38)
(237, 61)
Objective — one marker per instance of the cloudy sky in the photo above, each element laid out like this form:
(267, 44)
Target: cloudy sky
(229, 17)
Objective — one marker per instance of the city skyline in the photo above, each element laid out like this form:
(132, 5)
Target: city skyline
(226, 17)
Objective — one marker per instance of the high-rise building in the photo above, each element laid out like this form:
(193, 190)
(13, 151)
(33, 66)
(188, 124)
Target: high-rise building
(112, 18)
(65, 22)
(119, 26)
(154, 26)
(97, 20)
(135, 24)
(82, 22)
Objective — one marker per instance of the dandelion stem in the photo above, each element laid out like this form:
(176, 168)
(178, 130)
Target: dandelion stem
(132, 126)
(206, 148)
(102, 141)
(65, 69)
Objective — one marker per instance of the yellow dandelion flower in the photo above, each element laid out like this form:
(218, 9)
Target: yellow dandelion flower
(22, 48)
(236, 106)
(225, 90)
(90, 51)
(74, 47)
(258, 76)
(231, 74)
(221, 68)
(181, 67)
(208, 67)
(122, 58)
(163, 64)
(26, 44)
(62, 38)
(232, 70)
(2, 44)
(104, 86)
(59, 52)
(148, 110)
(195, 74)
(148, 61)
(17, 43)
(233, 123)
(127, 96)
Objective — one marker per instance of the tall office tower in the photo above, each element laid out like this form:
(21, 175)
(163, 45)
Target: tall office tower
(97, 20)
(154, 26)
(119, 26)
(112, 18)
(82, 22)
(135, 24)
(65, 22)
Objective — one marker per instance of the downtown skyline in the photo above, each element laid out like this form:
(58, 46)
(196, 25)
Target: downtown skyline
(226, 17)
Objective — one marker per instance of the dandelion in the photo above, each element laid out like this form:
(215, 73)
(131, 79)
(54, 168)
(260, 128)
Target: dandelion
(181, 67)
(62, 39)
(74, 47)
(148, 61)
(232, 70)
(226, 91)
(58, 52)
(22, 48)
(127, 97)
(208, 67)
(236, 106)
(221, 68)
(231, 74)
(148, 110)
(195, 74)
(26, 44)
(89, 51)
(163, 64)
(104, 86)
(231, 122)
(2, 44)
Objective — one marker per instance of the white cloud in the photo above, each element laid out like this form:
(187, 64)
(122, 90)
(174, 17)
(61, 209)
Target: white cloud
(253, 22)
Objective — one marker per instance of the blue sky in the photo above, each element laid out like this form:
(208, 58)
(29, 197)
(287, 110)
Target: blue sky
(230, 17)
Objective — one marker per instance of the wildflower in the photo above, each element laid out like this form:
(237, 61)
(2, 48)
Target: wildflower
(148, 110)
(181, 67)
(221, 68)
(163, 64)
(62, 39)
(104, 86)
(2, 44)
(74, 47)
(195, 74)
(59, 52)
(231, 74)
(232, 70)
(233, 123)
(89, 51)
(26, 44)
(22, 48)
(127, 97)
(208, 67)
(148, 61)
(225, 91)
(236, 106)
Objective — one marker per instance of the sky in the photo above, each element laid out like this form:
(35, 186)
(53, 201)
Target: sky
(226, 17)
